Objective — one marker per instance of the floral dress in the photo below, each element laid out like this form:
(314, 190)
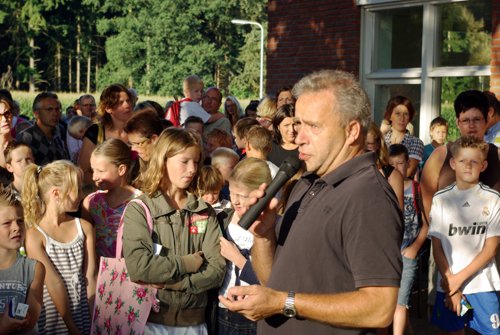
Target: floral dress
(106, 220)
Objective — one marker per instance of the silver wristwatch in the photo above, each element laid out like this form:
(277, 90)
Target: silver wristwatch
(289, 308)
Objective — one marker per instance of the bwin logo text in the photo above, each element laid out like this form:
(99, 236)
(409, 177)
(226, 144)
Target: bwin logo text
(475, 229)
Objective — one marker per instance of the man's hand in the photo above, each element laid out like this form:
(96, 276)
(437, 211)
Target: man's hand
(254, 302)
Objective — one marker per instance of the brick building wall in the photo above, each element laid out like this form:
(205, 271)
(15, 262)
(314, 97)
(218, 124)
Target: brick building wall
(305, 35)
(495, 50)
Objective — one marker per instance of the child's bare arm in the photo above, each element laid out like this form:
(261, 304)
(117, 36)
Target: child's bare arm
(90, 262)
(455, 281)
(440, 257)
(86, 209)
(55, 284)
(35, 296)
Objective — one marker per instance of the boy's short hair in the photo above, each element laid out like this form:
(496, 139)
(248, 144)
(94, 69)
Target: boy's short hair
(243, 125)
(471, 142)
(11, 146)
(260, 139)
(471, 99)
(438, 121)
(189, 83)
(209, 180)
(8, 198)
(78, 122)
(222, 137)
(222, 154)
(193, 119)
(398, 149)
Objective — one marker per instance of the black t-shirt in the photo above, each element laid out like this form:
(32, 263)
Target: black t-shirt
(278, 154)
(92, 133)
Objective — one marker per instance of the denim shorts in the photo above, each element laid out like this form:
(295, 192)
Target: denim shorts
(408, 276)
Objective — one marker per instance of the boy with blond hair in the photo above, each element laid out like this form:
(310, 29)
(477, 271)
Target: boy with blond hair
(465, 230)
(180, 110)
(258, 145)
(224, 160)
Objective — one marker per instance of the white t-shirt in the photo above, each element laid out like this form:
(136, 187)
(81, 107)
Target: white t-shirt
(272, 168)
(463, 220)
(191, 108)
(244, 240)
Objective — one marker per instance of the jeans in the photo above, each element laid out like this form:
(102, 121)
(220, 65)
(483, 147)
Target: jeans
(231, 323)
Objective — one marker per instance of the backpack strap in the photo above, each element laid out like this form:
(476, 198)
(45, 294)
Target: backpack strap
(119, 234)
(174, 112)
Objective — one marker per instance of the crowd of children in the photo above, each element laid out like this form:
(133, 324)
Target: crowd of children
(196, 186)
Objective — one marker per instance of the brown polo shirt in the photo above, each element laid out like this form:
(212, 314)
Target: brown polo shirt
(338, 233)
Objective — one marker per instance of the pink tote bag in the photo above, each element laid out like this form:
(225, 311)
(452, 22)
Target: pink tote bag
(121, 306)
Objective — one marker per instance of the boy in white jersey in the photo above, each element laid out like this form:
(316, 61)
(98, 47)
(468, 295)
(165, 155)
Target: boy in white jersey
(465, 230)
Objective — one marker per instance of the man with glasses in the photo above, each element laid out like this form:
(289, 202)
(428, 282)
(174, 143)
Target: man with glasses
(471, 111)
(87, 106)
(45, 136)
(211, 101)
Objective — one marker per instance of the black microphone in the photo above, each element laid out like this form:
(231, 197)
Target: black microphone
(287, 170)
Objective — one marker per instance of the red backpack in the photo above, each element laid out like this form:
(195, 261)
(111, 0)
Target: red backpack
(174, 112)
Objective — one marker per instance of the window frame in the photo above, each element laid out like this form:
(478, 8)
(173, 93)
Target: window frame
(428, 75)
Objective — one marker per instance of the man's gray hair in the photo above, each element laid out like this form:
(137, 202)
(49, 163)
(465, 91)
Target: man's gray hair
(352, 102)
(84, 97)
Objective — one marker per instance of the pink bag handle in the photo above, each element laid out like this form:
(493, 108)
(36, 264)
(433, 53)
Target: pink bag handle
(119, 233)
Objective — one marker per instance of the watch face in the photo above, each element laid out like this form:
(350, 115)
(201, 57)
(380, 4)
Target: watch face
(289, 312)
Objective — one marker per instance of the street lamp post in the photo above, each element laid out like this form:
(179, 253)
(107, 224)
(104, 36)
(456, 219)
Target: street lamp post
(261, 86)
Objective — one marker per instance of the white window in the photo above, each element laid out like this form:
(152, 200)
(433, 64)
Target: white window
(428, 51)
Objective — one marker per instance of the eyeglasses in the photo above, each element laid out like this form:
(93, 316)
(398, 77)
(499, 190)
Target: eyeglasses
(7, 116)
(475, 120)
(138, 144)
(88, 105)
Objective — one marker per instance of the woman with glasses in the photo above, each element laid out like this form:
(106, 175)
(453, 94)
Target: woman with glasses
(399, 112)
(6, 108)
(143, 130)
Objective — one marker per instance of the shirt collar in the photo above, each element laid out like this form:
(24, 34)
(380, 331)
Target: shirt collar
(161, 207)
(347, 169)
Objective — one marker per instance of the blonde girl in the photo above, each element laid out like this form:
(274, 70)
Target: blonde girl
(182, 255)
(63, 244)
(246, 177)
(110, 162)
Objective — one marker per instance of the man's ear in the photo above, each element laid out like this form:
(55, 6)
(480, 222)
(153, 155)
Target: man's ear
(353, 132)
(154, 138)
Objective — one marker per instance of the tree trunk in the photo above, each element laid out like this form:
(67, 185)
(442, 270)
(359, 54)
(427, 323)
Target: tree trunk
(58, 66)
(88, 73)
(32, 65)
(70, 83)
(78, 33)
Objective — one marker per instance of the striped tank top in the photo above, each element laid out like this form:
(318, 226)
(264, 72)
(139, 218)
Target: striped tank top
(67, 259)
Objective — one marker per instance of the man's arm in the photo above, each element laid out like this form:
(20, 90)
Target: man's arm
(367, 307)
(430, 178)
